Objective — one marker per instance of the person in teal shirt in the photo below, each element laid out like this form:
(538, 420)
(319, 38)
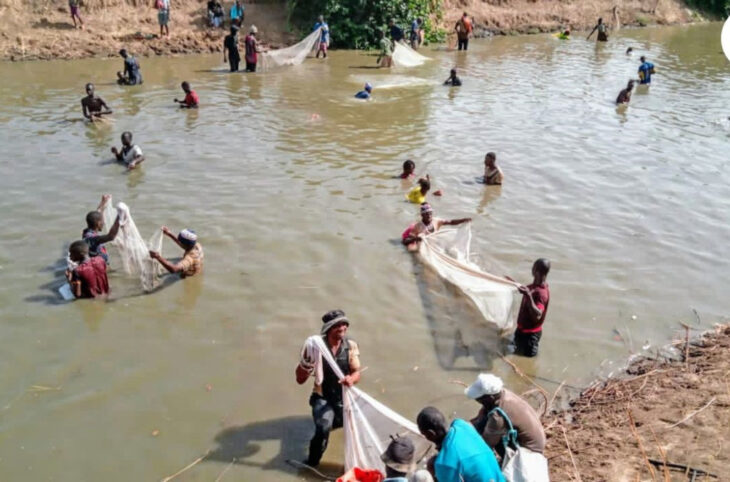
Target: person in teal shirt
(463, 455)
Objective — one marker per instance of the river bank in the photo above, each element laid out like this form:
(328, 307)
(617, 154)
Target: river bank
(43, 30)
(663, 410)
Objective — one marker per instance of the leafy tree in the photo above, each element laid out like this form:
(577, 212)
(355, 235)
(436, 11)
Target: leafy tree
(354, 23)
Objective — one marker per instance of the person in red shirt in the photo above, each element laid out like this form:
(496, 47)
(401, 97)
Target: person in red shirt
(191, 99)
(535, 300)
(88, 279)
(252, 49)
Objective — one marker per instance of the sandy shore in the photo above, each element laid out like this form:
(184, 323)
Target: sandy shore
(42, 29)
(668, 409)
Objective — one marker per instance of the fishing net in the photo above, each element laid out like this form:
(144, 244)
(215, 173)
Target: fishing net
(447, 251)
(404, 56)
(293, 55)
(134, 251)
(368, 424)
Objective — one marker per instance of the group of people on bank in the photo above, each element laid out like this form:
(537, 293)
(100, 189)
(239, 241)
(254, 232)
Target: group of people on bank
(467, 451)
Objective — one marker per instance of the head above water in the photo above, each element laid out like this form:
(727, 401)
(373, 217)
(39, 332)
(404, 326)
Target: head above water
(629, 51)
(95, 220)
(425, 185)
(432, 425)
(123, 53)
(368, 87)
(642, 58)
(89, 88)
(453, 72)
(335, 324)
(426, 213)
(185, 87)
(540, 269)
(630, 85)
(409, 166)
(490, 159)
(127, 138)
(187, 238)
(78, 251)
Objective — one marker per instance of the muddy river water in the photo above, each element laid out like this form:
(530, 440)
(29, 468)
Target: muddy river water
(288, 181)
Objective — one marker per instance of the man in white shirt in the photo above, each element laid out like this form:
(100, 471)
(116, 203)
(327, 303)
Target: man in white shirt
(130, 154)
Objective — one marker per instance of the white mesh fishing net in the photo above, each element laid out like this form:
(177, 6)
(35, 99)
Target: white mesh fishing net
(134, 252)
(368, 424)
(447, 251)
(292, 55)
(404, 56)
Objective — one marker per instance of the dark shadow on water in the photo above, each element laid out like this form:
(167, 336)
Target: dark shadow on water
(462, 339)
(364, 67)
(293, 433)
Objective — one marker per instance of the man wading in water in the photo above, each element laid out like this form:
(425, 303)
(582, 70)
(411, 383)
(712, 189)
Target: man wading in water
(413, 235)
(326, 399)
(93, 106)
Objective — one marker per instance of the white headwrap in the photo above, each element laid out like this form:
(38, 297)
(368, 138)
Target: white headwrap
(188, 235)
(485, 384)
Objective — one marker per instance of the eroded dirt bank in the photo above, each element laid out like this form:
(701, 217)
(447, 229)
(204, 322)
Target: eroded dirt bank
(675, 411)
(42, 29)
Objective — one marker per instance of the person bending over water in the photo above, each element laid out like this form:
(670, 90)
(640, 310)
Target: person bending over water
(130, 154)
(93, 236)
(191, 99)
(602, 31)
(408, 168)
(192, 261)
(428, 224)
(131, 74)
(624, 97)
(453, 80)
(88, 279)
(92, 106)
(565, 35)
(646, 70)
(365, 93)
(493, 175)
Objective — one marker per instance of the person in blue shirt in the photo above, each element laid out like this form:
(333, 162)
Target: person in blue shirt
(463, 455)
(324, 40)
(365, 93)
(646, 69)
(131, 74)
(416, 33)
(396, 33)
(237, 13)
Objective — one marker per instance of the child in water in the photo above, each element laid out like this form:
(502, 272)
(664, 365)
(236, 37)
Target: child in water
(365, 93)
(417, 195)
(191, 99)
(88, 279)
(624, 97)
(493, 175)
(453, 80)
(408, 168)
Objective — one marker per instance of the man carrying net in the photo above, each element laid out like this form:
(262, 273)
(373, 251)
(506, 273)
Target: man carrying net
(428, 224)
(326, 399)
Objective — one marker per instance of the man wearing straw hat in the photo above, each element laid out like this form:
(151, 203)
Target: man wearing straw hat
(399, 463)
(326, 398)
